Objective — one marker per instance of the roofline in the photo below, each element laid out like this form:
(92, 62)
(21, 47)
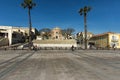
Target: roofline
(103, 34)
(13, 27)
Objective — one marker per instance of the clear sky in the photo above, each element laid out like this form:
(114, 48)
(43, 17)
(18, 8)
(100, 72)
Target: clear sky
(104, 16)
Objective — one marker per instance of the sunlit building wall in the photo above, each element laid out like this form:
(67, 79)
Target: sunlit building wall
(106, 40)
(10, 31)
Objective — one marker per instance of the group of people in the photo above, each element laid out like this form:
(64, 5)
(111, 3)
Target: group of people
(35, 47)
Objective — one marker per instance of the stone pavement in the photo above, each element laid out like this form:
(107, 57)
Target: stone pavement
(60, 65)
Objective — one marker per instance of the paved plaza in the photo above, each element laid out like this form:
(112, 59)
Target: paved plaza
(60, 65)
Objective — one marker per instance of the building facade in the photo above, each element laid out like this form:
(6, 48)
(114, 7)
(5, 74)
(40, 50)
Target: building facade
(56, 34)
(14, 33)
(106, 40)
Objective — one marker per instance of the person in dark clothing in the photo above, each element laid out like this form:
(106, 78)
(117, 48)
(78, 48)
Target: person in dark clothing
(35, 48)
(113, 46)
(72, 48)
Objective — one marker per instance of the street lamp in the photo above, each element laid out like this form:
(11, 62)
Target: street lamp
(84, 11)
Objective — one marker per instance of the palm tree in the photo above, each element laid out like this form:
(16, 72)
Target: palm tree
(29, 4)
(84, 11)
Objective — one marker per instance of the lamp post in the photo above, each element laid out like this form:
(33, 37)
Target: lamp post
(84, 11)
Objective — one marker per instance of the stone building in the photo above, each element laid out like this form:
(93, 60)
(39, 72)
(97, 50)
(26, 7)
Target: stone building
(14, 33)
(56, 34)
(106, 40)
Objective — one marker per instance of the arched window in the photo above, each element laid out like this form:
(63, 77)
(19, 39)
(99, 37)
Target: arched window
(56, 32)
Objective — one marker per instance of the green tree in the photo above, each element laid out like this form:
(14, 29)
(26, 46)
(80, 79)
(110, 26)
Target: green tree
(36, 32)
(29, 4)
(84, 11)
(45, 33)
(67, 32)
(80, 38)
(64, 33)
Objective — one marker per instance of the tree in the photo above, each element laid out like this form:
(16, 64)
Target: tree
(67, 32)
(70, 31)
(64, 33)
(84, 11)
(36, 32)
(80, 38)
(26, 37)
(45, 33)
(29, 4)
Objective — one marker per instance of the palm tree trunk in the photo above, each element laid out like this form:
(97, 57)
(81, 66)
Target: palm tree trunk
(85, 27)
(30, 27)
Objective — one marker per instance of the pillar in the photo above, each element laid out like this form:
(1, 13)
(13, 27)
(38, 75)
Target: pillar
(10, 36)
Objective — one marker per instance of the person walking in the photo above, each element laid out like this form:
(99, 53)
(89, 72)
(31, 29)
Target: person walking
(72, 48)
(113, 46)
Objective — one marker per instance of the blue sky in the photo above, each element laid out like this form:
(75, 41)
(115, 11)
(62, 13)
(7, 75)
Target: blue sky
(104, 16)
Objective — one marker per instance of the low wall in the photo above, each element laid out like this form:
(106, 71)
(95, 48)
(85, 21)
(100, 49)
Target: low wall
(54, 45)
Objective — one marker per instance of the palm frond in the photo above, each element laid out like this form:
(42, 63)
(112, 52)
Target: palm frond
(81, 11)
(23, 5)
(33, 4)
(87, 9)
(28, 3)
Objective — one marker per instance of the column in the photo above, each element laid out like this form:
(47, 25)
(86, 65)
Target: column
(10, 36)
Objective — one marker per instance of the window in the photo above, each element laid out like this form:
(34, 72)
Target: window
(56, 32)
(114, 38)
(56, 37)
(14, 35)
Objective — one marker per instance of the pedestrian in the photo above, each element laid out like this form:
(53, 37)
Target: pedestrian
(35, 47)
(113, 46)
(72, 48)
